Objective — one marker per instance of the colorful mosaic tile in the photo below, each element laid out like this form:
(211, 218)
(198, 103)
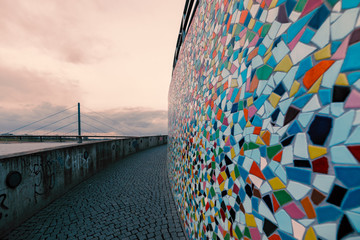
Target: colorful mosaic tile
(264, 120)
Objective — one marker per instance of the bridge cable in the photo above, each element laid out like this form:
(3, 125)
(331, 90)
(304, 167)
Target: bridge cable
(93, 127)
(101, 115)
(41, 119)
(101, 122)
(107, 119)
(71, 131)
(61, 127)
(94, 119)
(52, 123)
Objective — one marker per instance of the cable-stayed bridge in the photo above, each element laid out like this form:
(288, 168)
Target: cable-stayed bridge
(68, 123)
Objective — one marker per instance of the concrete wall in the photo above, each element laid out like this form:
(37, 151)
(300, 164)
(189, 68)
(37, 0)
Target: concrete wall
(264, 120)
(30, 181)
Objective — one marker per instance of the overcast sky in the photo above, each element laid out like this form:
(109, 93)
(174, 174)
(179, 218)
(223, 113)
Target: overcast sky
(113, 56)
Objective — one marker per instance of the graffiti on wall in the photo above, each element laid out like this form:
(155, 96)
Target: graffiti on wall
(44, 175)
(77, 161)
(264, 120)
(3, 206)
(43, 172)
(135, 145)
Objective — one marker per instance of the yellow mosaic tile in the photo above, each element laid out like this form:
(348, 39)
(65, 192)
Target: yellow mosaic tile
(232, 174)
(224, 176)
(259, 141)
(234, 233)
(284, 65)
(234, 83)
(274, 99)
(276, 183)
(240, 57)
(315, 88)
(323, 53)
(250, 3)
(342, 80)
(269, 49)
(310, 234)
(233, 154)
(250, 220)
(294, 88)
(273, 4)
(267, 57)
(251, 23)
(250, 101)
(222, 186)
(229, 66)
(315, 151)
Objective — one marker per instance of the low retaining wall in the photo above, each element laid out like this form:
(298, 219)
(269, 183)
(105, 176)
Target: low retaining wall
(32, 180)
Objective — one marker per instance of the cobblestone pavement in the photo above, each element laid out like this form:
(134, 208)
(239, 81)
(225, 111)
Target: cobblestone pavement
(131, 199)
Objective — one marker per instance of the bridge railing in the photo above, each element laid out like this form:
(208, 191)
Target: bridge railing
(61, 138)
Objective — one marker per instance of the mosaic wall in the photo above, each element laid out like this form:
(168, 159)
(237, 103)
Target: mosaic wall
(264, 120)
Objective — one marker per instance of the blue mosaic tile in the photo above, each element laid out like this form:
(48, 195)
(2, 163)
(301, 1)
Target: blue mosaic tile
(328, 214)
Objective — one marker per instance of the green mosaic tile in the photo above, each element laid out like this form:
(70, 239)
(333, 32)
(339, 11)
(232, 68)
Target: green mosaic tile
(283, 197)
(264, 72)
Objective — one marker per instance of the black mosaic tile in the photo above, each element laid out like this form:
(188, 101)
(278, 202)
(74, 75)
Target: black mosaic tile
(302, 163)
(269, 227)
(340, 93)
(345, 228)
(248, 190)
(319, 129)
(337, 195)
(267, 200)
(291, 114)
(287, 141)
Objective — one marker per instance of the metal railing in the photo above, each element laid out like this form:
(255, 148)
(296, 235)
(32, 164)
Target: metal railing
(60, 138)
(188, 14)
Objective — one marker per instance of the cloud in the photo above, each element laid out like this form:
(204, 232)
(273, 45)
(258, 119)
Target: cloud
(59, 28)
(26, 88)
(131, 121)
(54, 119)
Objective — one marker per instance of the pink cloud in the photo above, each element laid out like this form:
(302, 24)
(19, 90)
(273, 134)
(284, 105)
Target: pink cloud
(22, 87)
(54, 27)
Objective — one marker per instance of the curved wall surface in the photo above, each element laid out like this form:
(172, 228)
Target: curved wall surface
(264, 120)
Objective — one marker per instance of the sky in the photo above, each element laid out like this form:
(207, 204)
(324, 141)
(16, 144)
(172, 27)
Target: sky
(113, 56)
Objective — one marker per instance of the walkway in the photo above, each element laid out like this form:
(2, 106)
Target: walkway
(131, 199)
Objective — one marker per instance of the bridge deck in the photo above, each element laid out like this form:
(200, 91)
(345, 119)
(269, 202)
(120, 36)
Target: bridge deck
(131, 199)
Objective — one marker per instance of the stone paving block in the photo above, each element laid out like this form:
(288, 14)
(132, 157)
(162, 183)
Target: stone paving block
(130, 199)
